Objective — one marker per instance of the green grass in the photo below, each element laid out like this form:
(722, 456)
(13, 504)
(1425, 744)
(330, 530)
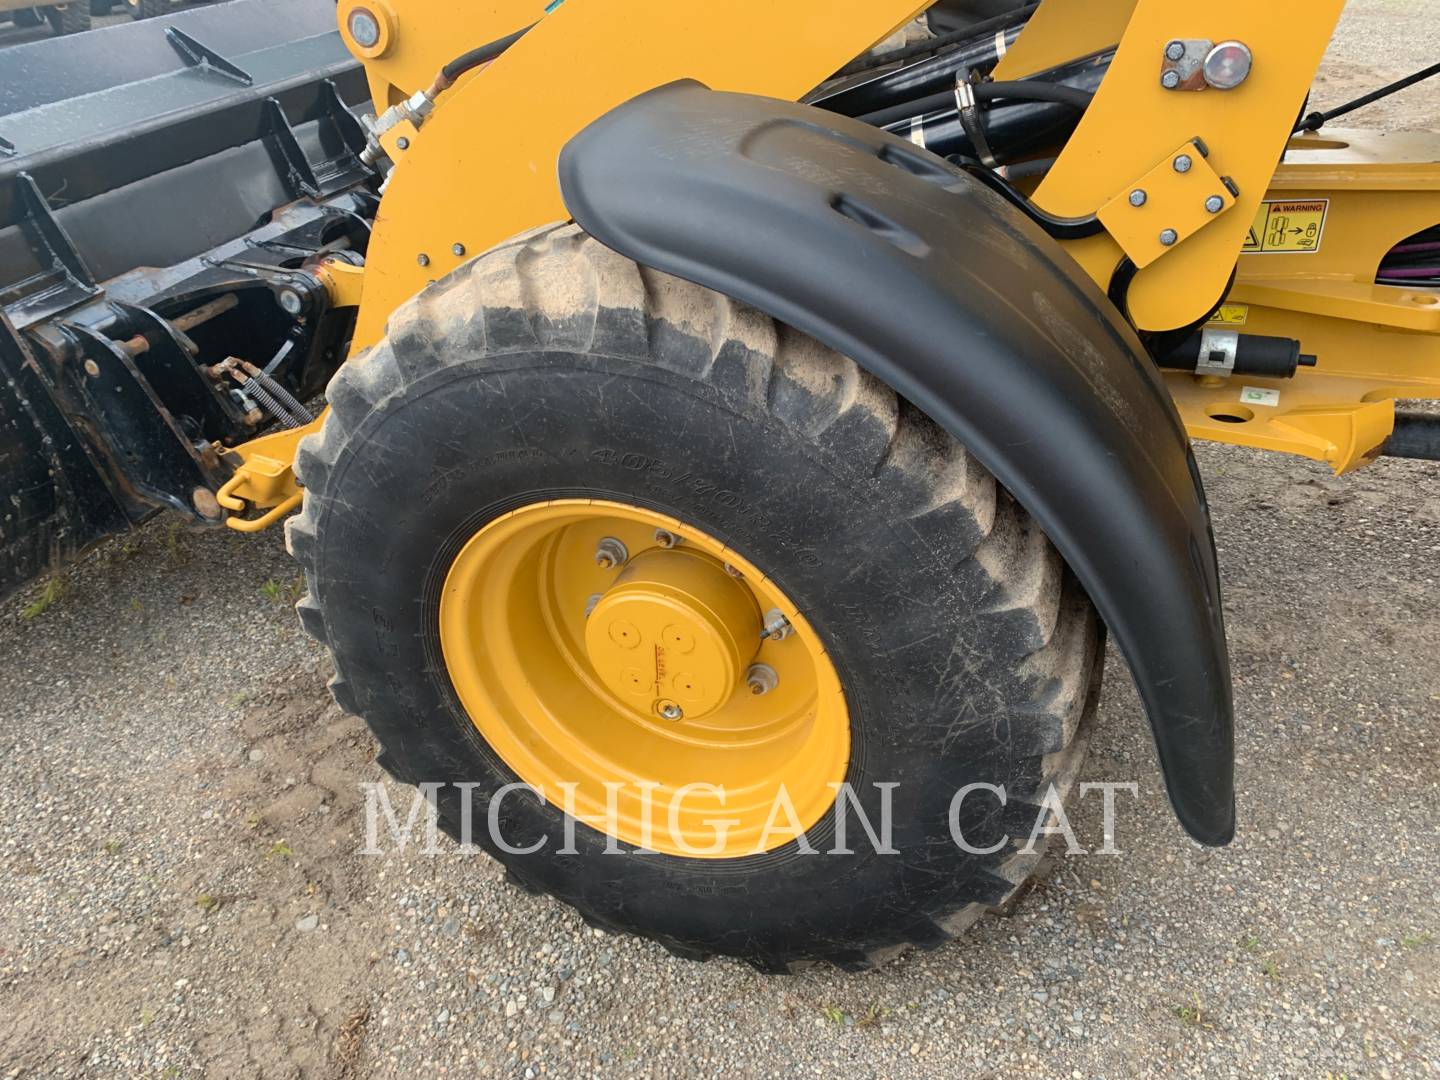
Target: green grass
(51, 594)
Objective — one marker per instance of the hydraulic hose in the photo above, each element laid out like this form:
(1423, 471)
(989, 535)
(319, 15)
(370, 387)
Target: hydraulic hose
(1021, 90)
(481, 54)
(998, 23)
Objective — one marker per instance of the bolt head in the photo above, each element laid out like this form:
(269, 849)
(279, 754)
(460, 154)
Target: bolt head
(423, 259)
(605, 562)
(1214, 204)
(457, 249)
(1170, 80)
(403, 143)
(1182, 163)
(665, 538)
(1138, 197)
(92, 369)
(670, 711)
(1175, 50)
(1168, 237)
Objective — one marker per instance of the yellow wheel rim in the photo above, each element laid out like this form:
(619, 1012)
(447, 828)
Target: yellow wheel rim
(616, 660)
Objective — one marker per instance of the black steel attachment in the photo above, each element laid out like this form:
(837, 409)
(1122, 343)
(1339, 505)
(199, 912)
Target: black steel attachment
(163, 207)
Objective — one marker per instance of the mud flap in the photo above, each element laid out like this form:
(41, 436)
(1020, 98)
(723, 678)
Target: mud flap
(945, 292)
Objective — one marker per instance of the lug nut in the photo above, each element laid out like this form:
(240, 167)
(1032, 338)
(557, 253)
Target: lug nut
(1214, 204)
(1138, 197)
(610, 552)
(1183, 163)
(1168, 237)
(761, 679)
(666, 539)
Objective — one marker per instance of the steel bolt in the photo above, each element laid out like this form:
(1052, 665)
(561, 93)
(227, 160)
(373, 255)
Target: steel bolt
(761, 679)
(1175, 50)
(403, 143)
(670, 711)
(1170, 80)
(666, 539)
(1168, 237)
(457, 249)
(610, 552)
(1138, 197)
(1214, 204)
(423, 259)
(1183, 163)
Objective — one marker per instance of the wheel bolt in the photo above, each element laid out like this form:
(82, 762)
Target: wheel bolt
(610, 552)
(761, 679)
(666, 539)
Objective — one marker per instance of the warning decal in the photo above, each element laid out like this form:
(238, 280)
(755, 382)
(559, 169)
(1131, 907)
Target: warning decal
(1231, 314)
(1287, 227)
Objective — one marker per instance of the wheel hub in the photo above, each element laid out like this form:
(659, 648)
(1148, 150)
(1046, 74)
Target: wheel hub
(673, 630)
(613, 658)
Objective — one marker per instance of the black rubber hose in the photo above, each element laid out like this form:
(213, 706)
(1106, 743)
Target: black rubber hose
(1021, 90)
(481, 54)
(930, 45)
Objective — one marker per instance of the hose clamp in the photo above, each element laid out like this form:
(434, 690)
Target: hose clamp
(1217, 353)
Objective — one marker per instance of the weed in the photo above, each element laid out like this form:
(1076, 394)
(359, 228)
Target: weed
(54, 589)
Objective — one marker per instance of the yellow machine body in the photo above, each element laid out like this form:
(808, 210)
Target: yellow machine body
(482, 168)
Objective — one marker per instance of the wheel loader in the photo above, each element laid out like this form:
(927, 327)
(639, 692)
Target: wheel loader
(718, 439)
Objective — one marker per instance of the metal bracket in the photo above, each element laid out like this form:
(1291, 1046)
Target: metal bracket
(1217, 353)
(1174, 200)
(1183, 67)
(199, 55)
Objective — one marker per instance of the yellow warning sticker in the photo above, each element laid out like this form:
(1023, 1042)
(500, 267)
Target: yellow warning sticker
(1231, 314)
(1287, 228)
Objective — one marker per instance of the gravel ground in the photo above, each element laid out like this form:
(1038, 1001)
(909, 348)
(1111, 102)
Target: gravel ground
(180, 893)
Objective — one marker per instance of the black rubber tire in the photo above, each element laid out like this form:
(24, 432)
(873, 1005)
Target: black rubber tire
(71, 18)
(150, 9)
(553, 367)
(26, 17)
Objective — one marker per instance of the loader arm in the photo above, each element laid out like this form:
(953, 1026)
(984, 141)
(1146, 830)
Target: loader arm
(978, 318)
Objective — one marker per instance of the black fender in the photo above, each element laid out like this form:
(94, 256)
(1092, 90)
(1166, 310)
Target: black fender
(951, 296)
